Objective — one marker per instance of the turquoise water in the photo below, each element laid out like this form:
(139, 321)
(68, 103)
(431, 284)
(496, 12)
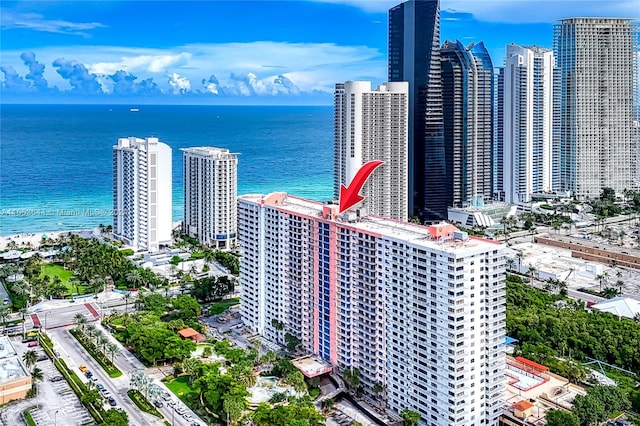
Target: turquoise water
(56, 160)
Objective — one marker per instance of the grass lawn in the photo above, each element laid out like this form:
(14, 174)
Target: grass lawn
(180, 387)
(53, 269)
(223, 305)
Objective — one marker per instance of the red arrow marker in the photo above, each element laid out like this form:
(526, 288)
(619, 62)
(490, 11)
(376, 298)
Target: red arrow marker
(349, 196)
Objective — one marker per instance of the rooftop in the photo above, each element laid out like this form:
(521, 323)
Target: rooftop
(311, 366)
(11, 366)
(444, 237)
(620, 306)
(208, 151)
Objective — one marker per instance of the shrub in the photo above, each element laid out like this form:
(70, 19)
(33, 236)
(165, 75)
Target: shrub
(143, 403)
(127, 252)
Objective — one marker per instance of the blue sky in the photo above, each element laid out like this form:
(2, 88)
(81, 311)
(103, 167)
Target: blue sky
(250, 52)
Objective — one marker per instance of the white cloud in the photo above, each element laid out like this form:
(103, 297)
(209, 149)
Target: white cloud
(34, 21)
(515, 11)
(181, 85)
(134, 64)
(540, 11)
(243, 68)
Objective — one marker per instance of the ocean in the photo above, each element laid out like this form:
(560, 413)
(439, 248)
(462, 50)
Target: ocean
(56, 169)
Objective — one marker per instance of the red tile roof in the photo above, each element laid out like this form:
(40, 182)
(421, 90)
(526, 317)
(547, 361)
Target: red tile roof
(522, 405)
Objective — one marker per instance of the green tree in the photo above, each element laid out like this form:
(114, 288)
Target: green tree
(187, 307)
(351, 377)
(207, 352)
(4, 313)
(296, 379)
(113, 417)
(410, 418)
(233, 406)
(291, 341)
(30, 358)
(561, 418)
(36, 375)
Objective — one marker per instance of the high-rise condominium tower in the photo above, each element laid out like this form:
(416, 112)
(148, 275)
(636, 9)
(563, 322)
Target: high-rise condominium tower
(414, 56)
(598, 58)
(467, 99)
(372, 125)
(210, 196)
(528, 122)
(419, 310)
(142, 192)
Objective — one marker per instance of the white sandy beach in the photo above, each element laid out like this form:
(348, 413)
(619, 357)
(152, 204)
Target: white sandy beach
(22, 240)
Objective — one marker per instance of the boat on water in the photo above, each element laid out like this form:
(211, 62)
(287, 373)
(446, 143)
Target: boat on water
(134, 109)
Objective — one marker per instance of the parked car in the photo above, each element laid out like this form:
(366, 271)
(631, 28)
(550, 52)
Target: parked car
(187, 416)
(99, 386)
(88, 374)
(158, 403)
(42, 358)
(32, 344)
(83, 368)
(56, 379)
(112, 402)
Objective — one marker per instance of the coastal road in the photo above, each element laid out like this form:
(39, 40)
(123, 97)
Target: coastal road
(75, 356)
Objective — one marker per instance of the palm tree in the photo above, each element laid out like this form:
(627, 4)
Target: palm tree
(609, 293)
(30, 357)
(113, 349)
(601, 279)
(127, 296)
(91, 331)
(101, 342)
(80, 320)
(135, 278)
(532, 272)
(519, 255)
(4, 313)
(510, 264)
(75, 282)
(36, 374)
(96, 283)
(620, 286)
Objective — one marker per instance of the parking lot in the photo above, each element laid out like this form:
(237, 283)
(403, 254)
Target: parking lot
(56, 402)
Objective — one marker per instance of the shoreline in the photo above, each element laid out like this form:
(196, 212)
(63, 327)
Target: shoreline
(34, 238)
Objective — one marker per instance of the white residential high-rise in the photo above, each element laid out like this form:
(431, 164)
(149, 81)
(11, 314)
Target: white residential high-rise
(598, 58)
(373, 125)
(142, 192)
(419, 310)
(528, 122)
(210, 196)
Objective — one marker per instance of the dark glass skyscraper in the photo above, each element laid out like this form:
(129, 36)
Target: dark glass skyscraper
(414, 56)
(467, 97)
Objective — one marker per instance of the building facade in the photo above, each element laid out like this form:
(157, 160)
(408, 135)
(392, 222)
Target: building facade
(467, 99)
(414, 56)
(419, 310)
(598, 59)
(142, 193)
(211, 196)
(528, 122)
(372, 125)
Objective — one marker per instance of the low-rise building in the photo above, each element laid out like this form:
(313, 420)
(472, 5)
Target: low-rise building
(15, 380)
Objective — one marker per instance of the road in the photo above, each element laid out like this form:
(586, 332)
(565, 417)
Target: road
(75, 356)
(57, 322)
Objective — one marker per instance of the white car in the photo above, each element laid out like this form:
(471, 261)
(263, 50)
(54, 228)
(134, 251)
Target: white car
(187, 416)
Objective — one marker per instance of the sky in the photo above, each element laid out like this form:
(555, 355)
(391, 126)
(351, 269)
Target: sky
(237, 52)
